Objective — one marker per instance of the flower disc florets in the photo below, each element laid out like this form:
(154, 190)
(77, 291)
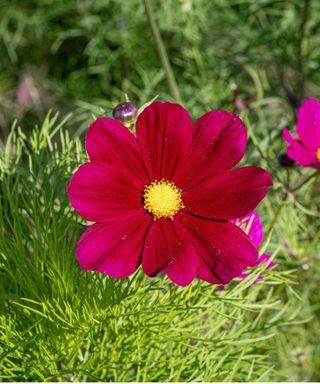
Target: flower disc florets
(162, 199)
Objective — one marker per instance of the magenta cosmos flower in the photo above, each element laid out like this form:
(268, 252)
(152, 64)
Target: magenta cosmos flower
(163, 198)
(252, 226)
(306, 149)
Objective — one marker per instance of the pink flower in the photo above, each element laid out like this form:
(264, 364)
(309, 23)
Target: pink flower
(26, 92)
(252, 226)
(306, 149)
(163, 198)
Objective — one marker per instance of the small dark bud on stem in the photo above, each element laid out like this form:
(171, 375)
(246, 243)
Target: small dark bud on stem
(285, 160)
(125, 112)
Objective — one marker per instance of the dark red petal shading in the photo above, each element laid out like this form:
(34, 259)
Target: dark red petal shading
(98, 191)
(114, 247)
(219, 142)
(184, 264)
(109, 141)
(308, 125)
(167, 249)
(165, 129)
(156, 252)
(231, 195)
(205, 272)
(224, 250)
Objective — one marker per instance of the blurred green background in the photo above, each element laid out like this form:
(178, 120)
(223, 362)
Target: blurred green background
(76, 53)
(259, 58)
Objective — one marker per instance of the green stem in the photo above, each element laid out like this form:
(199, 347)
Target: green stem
(162, 52)
(304, 182)
(275, 218)
(304, 19)
(279, 209)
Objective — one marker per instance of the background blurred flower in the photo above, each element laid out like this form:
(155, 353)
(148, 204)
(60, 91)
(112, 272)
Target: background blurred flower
(306, 149)
(163, 198)
(27, 93)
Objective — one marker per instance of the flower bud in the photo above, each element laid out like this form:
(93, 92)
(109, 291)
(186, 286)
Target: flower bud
(285, 160)
(125, 112)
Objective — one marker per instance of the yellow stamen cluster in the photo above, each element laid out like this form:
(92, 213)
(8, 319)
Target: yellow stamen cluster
(318, 154)
(162, 198)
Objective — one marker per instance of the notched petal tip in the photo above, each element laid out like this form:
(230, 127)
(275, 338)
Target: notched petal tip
(224, 250)
(219, 143)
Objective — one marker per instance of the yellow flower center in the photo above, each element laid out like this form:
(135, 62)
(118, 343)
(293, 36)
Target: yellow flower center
(162, 199)
(318, 154)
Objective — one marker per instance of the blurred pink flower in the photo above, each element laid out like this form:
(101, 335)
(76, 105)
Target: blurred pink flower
(306, 149)
(26, 92)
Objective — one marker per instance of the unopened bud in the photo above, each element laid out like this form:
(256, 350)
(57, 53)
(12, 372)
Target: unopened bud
(285, 160)
(125, 112)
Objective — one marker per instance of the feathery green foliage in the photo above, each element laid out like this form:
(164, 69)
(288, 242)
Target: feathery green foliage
(91, 52)
(60, 323)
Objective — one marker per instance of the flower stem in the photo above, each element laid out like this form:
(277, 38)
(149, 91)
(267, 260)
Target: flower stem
(304, 19)
(275, 218)
(304, 182)
(281, 205)
(162, 52)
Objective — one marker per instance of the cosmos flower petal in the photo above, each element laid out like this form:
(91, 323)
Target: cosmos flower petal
(255, 233)
(252, 226)
(114, 247)
(205, 271)
(297, 151)
(183, 268)
(168, 249)
(308, 125)
(264, 258)
(156, 255)
(305, 149)
(165, 129)
(98, 191)
(219, 142)
(111, 142)
(224, 248)
(233, 194)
